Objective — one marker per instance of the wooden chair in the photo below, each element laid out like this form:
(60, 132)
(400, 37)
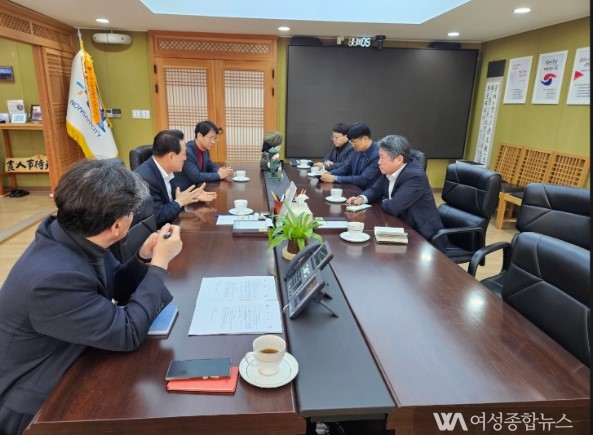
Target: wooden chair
(533, 168)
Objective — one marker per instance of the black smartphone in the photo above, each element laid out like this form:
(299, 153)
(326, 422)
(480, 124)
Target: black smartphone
(199, 368)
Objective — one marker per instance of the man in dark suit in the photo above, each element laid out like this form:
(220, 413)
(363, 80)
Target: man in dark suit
(403, 189)
(61, 295)
(198, 167)
(168, 155)
(341, 150)
(362, 167)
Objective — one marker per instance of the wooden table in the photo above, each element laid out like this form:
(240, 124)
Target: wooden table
(445, 343)
(441, 341)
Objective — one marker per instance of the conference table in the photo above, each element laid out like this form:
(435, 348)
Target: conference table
(416, 335)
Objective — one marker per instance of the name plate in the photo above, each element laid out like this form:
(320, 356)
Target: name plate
(36, 163)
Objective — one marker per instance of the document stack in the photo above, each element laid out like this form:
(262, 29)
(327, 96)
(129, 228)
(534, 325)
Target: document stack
(391, 235)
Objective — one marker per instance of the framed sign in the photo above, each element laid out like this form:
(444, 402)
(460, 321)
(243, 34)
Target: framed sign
(6, 74)
(18, 118)
(35, 115)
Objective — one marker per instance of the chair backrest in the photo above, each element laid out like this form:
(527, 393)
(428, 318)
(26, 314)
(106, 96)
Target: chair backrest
(143, 224)
(470, 195)
(562, 212)
(548, 281)
(420, 157)
(139, 155)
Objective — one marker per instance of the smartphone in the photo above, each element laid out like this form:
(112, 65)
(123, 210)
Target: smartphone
(213, 368)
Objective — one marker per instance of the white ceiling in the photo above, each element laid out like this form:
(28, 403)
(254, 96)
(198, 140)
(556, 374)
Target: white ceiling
(476, 20)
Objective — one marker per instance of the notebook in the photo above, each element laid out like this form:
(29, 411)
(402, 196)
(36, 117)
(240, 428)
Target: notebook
(164, 321)
(221, 385)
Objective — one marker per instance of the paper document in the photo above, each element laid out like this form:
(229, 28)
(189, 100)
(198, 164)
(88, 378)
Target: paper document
(327, 224)
(237, 305)
(229, 219)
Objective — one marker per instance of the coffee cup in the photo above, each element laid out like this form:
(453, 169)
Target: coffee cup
(304, 162)
(355, 229)
(240, 205)
(336, 193)
(315, 170)
(239, 174)
(268, 353)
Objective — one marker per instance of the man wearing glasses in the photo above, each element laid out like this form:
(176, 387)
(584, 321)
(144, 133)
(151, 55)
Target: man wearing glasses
(340, 152)
(362, 168)
(199, 167)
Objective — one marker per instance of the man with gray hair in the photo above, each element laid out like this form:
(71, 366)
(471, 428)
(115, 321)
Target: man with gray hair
(404, 190)
(67, 291)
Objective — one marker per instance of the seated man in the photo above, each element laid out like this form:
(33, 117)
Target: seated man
(168, 155)
(403, 190)
(362, 167)
(198, 167)
(340, 152)
(61, 295)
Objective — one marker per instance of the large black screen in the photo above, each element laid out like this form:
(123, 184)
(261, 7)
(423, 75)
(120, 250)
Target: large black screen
(423, 94)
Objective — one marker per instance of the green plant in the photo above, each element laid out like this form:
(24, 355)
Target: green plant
(297, 229)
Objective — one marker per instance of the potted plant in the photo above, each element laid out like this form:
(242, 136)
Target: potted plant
(297, 229)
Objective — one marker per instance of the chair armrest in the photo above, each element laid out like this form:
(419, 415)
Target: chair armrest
(459, 230)
(480, 254)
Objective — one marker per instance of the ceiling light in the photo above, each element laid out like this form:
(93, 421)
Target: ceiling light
(453, 34)
(284, 28)
(522, 11)
(102, 20)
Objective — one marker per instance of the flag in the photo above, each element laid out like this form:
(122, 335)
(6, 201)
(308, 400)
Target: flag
(85, 119)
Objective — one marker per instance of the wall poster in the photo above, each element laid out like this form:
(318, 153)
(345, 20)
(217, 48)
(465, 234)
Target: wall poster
(579, 90)
(518, 80)
(548, 77)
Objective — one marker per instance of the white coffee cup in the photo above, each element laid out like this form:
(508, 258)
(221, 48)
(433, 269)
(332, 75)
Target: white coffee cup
(355, 229)
(336, 193)
(240, 205)
(268, 353)
(304, 162)
(315, 170)
(239, 174)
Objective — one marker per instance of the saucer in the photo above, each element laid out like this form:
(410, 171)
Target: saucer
(240, 178)
(240, 213)
(311, 174)
(303, 166)
(335, 199)
(289, 367)
(346, 236)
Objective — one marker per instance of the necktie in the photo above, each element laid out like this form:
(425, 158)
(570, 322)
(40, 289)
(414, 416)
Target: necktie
(201, 159)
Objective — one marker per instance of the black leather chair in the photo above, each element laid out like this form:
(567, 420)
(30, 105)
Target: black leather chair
(470, 195)
(139, 155)
(420, 157)
(143, 224)
(561, 212)
(548, 282)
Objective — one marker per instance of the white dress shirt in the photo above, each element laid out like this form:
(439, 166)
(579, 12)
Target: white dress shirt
(167, 177)
(391, 178)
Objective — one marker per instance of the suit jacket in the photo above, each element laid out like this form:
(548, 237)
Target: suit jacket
(191, 173)
(411, 199)
(165, 210)
(361, 169)
(339, 155)
(54, 304)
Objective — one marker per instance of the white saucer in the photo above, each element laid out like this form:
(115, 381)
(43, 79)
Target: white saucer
(346, 236)
(334, 199)
(311, 174)
(238, 213)
(303, 166)
(289, 367)
(240, 178)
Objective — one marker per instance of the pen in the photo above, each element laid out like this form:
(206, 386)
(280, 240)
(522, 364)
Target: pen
(167, 234)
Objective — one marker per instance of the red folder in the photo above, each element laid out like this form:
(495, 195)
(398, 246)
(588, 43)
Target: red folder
(221, 385)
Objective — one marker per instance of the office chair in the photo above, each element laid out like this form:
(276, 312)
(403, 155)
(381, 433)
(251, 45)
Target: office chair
(561, 212)
(143, 224)
(470, 195)
(139, 155)
(548, 282)
(420, 157)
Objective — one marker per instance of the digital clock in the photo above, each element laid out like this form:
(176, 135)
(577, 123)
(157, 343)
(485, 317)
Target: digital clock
(359, 41)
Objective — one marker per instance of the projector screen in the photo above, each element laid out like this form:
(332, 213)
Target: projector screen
(422, 94)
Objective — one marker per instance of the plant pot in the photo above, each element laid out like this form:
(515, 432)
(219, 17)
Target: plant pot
(291, 249)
